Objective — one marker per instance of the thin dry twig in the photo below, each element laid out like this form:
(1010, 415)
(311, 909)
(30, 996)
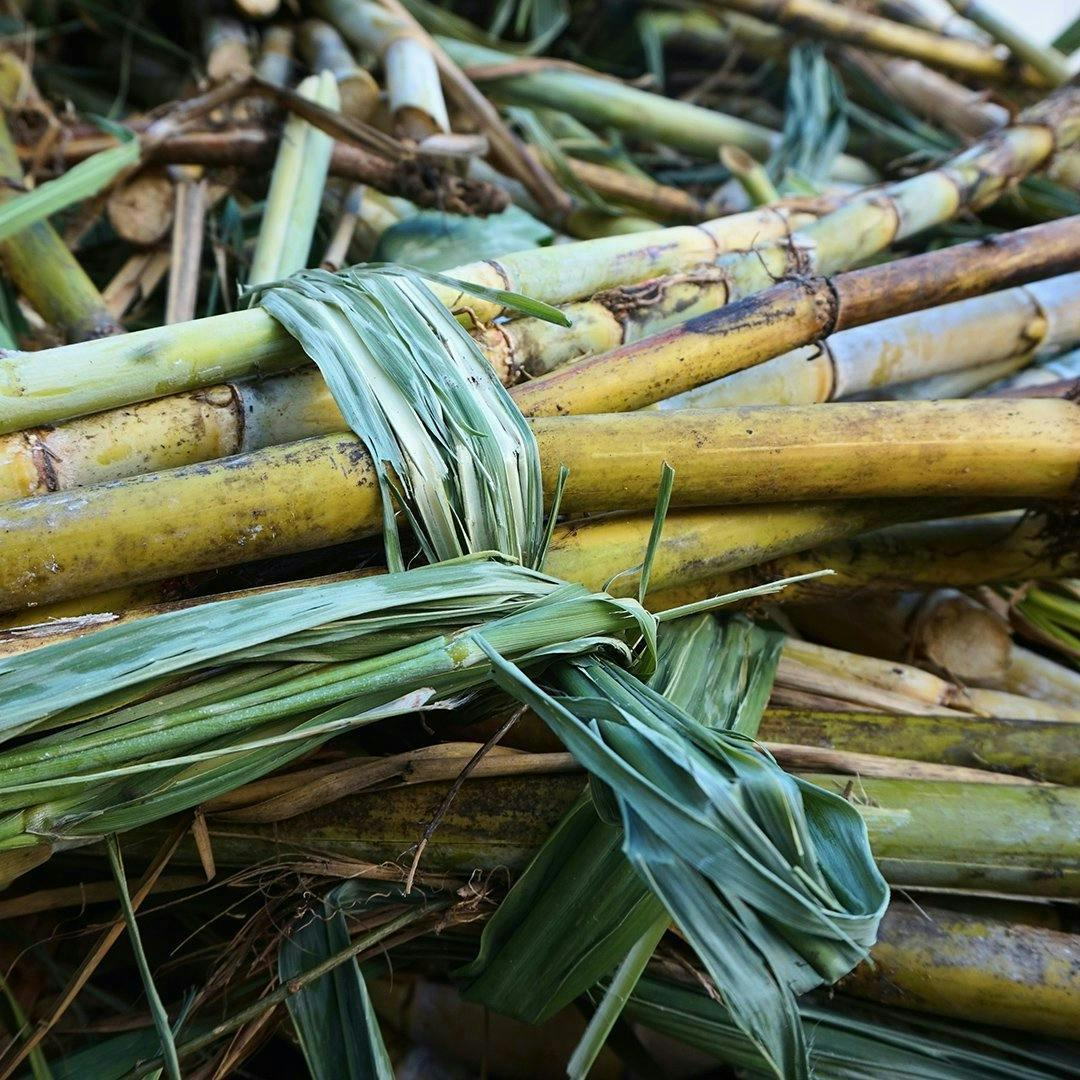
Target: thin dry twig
(455, 787)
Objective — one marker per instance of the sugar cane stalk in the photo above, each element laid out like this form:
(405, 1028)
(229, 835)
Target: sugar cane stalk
(1010, 842)
(984, 330)
(950, 104)
(982, 970)
(931, 554)
(225, 49)
(1045, 59)
(695, 544)
(323, 491)
(1039, 749)
(323, 50)
(412, 78)
(191, 197)
(296, 188)
(38, 261)
(835, 23)
(948, 631)
(870, 682)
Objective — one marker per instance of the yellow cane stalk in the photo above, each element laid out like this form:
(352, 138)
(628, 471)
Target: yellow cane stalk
(695, 544)
(982, 970)
(1045, 59)
(323, 491)
(989, 330)
(959, 553)
(836, 23)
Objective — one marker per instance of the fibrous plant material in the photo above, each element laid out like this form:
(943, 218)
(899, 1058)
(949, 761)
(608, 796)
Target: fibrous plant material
(254, 148)
(442, 598)
(192, 195)
(135, 282)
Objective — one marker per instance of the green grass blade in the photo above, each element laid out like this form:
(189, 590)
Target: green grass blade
(78, 183)
(333, 1017)
(157, 1009)
(450, 447)
(769, 879)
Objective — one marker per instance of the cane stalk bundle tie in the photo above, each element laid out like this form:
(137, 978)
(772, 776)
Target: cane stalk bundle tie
(450, 447)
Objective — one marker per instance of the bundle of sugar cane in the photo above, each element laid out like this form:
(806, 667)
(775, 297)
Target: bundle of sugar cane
(503, 739)
(202, 719)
